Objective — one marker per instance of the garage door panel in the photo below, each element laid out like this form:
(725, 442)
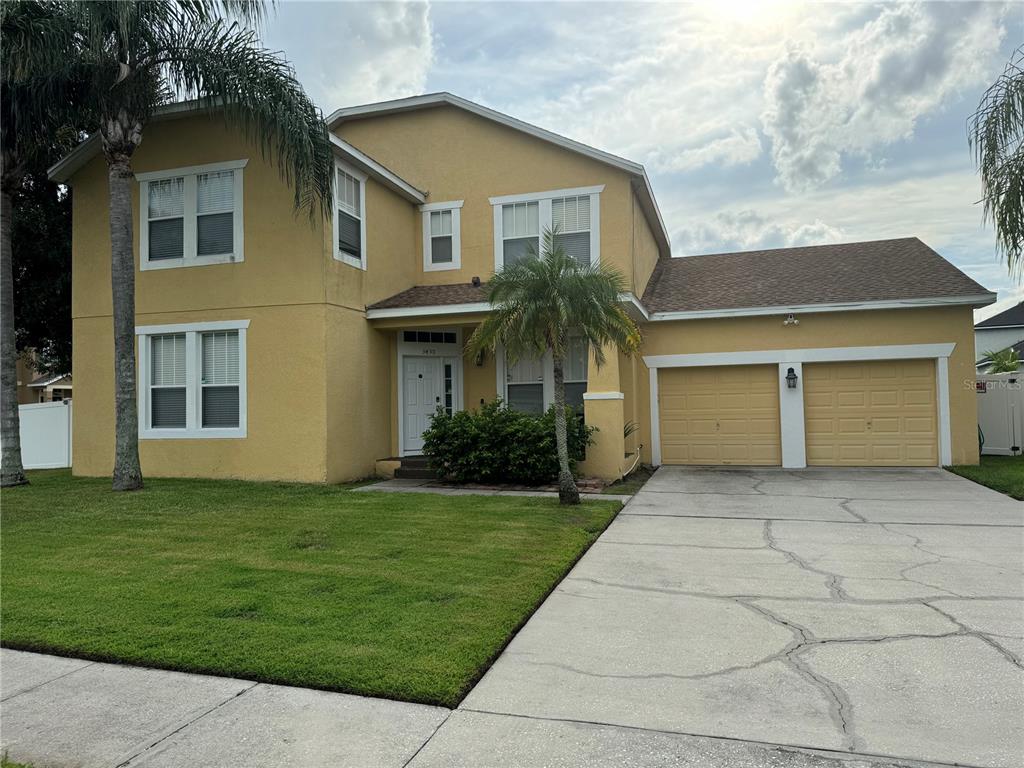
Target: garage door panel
(887, 398)
(920, 425)
(871, 413)
(724, 415)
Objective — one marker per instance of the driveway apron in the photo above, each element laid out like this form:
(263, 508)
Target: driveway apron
(876, 612)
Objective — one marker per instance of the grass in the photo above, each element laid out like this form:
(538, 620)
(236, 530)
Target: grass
(1000, 473)
(405, 596)
(5, 763)
(631, 483)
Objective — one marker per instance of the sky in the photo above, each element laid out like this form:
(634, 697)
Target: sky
(761, 124)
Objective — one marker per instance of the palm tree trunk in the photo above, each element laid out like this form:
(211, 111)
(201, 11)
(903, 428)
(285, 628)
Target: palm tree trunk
(568, 493)
(127, 470)
(11, 470)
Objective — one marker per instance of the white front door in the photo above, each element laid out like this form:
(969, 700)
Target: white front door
(422, 392)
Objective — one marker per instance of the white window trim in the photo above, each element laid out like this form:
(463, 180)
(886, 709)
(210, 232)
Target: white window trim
(543, 199)
(340, 255)
(791, 411)
(193, 366)
(190, 257)
(455, 207)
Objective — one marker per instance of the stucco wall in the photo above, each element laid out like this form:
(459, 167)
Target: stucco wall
(286, 416)
(645, 250)
(314, 364)
(840, 329)
(357, 365)
(457, 155)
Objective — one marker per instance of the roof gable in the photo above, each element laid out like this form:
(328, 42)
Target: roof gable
(642, 183)
(68, 165)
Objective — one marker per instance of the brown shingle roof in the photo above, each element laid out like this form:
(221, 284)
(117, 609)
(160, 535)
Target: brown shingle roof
(881, 270)
(434, 295)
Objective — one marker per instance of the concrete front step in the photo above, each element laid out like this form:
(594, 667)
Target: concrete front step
(415, 473)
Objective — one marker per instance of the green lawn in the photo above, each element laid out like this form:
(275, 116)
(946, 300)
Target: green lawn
(406, 596)
(1002, 473)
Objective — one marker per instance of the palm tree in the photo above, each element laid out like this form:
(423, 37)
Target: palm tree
(996, 135)
(40, 96)
(141, 55)
(536, 303)
(1003, 360)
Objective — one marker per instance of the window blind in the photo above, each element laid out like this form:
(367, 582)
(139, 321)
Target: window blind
(570, 217)
(220, 369)
(571, 214)
(576, 359)
(215, 223)
(220, 357)
(348, 193)
(166, 219)
(215, 192)
(349, 235)
(167, 381)
(168, 358)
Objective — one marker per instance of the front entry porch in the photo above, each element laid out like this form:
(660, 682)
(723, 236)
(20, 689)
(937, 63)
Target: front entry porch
(429, 377)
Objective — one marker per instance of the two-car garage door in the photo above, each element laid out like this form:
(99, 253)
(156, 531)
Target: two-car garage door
(875, 413)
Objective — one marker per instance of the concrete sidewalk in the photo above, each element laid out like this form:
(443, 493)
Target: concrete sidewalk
(81, 714)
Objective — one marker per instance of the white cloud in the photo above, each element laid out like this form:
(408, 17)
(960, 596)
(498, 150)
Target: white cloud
(747, 230)
(890, 73)
(354, 53)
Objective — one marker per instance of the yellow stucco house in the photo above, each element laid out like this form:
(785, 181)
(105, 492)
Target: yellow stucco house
(273, 347)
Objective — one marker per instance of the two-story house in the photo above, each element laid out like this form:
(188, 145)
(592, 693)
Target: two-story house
(271, 346)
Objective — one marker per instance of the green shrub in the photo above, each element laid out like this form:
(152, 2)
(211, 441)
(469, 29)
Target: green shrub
(498, 445)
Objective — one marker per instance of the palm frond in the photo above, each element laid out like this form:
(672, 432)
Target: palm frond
(222, 63)
(539, 300)
(996, 136)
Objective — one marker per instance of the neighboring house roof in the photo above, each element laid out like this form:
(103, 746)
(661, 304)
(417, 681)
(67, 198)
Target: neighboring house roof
(45, 381)
(643, 184)
(1008, 318)
(880, 273)
(434, 296)
(66, 167)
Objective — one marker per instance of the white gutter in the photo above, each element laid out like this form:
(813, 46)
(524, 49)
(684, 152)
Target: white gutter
(437, 310)
(849, 306)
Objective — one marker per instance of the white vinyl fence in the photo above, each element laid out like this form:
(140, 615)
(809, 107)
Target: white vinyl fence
(45, 435)
(1001, 412)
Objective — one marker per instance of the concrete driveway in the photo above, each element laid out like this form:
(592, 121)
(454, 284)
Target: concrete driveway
(857, 611)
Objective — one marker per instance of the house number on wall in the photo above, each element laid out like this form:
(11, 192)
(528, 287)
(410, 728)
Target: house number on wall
(429, 351)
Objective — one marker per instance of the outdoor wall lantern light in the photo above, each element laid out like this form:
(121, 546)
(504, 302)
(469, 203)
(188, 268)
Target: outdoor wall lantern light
(791, 379)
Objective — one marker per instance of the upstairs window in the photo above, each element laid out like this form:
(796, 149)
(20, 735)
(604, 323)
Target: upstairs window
(442, 238)
(349, 217)
(192, 380)
(520, 232)
(521, 220)
(571, 217)
(191, 216)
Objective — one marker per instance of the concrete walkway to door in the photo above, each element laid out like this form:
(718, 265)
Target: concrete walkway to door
(873, 612)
